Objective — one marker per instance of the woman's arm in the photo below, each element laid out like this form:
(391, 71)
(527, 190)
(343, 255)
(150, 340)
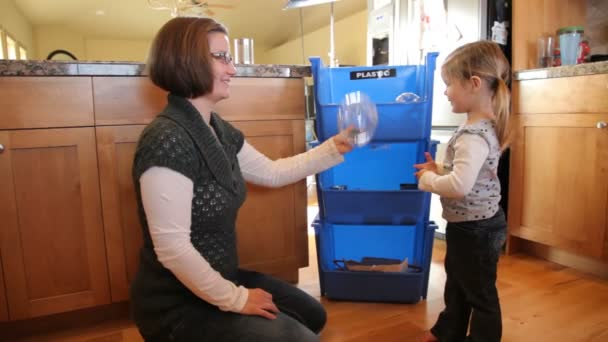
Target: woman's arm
(471, 151)
(259, 169)
(167, 200)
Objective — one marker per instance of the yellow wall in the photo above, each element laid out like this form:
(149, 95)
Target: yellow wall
(49, 38)
(16, 25)
(350, 44)
(117, 50)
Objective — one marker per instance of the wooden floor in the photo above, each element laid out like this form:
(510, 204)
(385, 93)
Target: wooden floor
(541, 301)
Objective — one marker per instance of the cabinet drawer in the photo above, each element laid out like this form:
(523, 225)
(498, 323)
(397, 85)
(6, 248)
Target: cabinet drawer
(43, 102)
(260, 98)
(580, 94)
(126, 100)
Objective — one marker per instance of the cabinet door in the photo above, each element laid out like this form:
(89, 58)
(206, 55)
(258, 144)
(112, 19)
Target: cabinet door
(3, 307)
(272, 225)
(115, 150)
(559, 181)
(52, 243)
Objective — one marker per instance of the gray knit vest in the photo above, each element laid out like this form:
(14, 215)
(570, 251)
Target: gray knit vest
(482, 201)
(180, 140)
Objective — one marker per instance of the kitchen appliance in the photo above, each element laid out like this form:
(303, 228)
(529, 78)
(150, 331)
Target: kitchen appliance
(243, 51)
(403, 31)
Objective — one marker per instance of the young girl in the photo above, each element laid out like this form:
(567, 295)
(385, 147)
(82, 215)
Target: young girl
(475, 75)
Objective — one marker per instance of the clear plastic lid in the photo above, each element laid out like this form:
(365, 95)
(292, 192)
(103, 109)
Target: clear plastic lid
(359, 112)
(571, 29)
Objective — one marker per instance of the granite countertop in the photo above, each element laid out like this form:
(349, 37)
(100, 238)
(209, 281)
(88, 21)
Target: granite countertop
(90, 68)
(562, 71)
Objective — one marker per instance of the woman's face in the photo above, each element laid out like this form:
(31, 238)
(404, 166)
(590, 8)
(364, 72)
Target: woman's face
(221, 64)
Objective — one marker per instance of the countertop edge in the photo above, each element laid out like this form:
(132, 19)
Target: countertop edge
(562, 71)
(93, 68)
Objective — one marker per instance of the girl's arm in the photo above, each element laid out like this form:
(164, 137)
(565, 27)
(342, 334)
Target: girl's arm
(167, 200)
(259, 169)
(471, 151)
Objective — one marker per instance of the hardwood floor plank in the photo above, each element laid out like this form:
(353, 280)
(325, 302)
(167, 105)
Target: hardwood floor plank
(541, 301)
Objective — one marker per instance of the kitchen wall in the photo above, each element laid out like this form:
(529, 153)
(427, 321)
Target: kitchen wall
(15, 23)
(52, 37)
(49, 38)
(350, 44)
(117, 50)
(597, 26)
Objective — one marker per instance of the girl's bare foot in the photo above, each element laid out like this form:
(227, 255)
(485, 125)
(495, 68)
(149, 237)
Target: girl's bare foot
(428, 337)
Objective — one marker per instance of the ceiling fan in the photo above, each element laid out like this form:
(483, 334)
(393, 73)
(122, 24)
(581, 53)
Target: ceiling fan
(181, 8)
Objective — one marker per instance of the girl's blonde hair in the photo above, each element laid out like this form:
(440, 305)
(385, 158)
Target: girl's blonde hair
(485, 60)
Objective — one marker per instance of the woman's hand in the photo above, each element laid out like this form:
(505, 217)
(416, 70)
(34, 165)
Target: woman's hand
(343, 140)
(259, 303)
(429, 165)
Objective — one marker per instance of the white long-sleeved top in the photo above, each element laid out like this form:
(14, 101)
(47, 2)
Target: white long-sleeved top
(471, 151)
(167, 200)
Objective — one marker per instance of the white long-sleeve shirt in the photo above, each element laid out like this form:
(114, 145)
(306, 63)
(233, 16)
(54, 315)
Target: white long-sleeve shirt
(471, 151)
(167, 200)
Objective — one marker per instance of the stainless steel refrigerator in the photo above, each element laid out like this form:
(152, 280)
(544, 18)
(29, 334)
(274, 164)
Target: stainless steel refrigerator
(403, 31)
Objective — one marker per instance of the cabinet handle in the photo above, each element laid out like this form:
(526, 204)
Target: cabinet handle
(601, 124)
(1, 148)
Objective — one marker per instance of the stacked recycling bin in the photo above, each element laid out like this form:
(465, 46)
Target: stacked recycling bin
(370, 205)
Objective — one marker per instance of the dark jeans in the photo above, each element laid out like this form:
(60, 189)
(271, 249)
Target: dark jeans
(470, 291)
(300, 319)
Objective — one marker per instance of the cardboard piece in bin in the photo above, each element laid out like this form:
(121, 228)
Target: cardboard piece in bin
(371, 264)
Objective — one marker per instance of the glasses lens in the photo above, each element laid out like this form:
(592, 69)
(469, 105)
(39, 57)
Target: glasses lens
(227, 57)
(223, 56)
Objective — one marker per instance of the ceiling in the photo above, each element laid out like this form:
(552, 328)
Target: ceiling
(263, 20)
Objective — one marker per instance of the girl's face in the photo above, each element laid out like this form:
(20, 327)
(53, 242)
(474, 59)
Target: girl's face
(221, 64)
(459, 93)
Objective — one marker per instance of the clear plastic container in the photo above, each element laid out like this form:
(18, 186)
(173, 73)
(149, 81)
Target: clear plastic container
(569, 40)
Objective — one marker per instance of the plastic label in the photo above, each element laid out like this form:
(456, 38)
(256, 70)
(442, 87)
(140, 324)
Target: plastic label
(378, 73)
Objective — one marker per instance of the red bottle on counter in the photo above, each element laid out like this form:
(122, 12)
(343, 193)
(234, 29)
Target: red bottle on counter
(583, 52)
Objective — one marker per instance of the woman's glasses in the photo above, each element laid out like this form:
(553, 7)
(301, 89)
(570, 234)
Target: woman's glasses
(223, 56)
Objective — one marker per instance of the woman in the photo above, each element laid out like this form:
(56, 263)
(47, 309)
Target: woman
(189, 172)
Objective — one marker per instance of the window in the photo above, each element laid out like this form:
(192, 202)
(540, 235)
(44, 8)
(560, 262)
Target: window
(22, 53)
(11, 47)
(2, 44)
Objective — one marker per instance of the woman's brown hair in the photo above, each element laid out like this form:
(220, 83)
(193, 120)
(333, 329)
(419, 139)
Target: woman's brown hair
(179, 59)
(485, 60)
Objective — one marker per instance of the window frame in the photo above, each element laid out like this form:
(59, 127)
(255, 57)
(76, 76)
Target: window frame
(3, 48)
(19, 47)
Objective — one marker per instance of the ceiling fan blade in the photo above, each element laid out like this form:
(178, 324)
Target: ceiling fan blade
(221, 6)
(160, 4)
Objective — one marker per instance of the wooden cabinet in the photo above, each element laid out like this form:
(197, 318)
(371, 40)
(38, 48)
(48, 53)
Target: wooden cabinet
(272, 224)
(3, 305)
(558, 194)
(52, 243)
(123, 232)
(273, 218)
(42, 102)
(535, 18)
(70, 234)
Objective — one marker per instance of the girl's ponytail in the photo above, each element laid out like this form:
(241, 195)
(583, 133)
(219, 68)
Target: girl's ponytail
(502, 111)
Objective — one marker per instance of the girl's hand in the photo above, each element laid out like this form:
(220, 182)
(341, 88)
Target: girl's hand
(429, 165)
(343, 140)
(259, 303)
